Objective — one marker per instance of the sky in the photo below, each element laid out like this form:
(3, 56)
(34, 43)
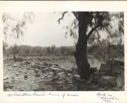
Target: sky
(46, 31)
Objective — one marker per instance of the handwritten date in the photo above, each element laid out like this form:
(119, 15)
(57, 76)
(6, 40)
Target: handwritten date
(107, 97)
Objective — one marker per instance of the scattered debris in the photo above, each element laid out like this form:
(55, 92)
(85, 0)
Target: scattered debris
(52, 76)
(7, 77)
(110, 74)
(25, 77)
(37, 74)
(7, 85)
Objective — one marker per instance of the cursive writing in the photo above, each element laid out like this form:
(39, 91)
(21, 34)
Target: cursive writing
(107, 97)
(43, 94)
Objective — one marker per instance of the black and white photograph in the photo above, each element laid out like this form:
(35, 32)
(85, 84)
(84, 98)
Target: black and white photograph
(63, 51)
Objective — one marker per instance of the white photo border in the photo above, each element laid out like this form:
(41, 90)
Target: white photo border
(46, 6)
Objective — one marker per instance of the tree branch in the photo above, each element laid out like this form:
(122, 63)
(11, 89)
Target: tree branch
(121, 28)
(98, 39)
(75, 14)
(62, 16)
(90, 33)
(108, 31)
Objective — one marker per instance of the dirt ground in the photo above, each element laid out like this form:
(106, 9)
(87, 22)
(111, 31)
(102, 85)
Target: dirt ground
(47, 74)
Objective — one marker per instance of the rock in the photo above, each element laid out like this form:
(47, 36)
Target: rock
(102, 82)
(118, 69)
(123, 87)
(37, 74)
(105, 68)
(17, 74)
(115, 62)
(46, 75)
(28, 68)
(40, 67)
(76, 76)
(69, 74)
(109, 62)
(69, 71)
(54, 68)
(8, 89)
(27, 62)
(50, 75)
(9, 69)
(6, 64)
(36, 70)
(45, 64)
(50, 65)
(7, 77)
(108, 77)
(120, 80)
(105, 73)
(20, 59)
(95, 77)
(7, 85)
(44, 70)
(70, 81)
(74, 69)
(93, 70)
(25, 77)
(55, 64)
(14, 65)
(62, 67)
(61, 74)
(43, 67)
(110, 80)
(13, 77)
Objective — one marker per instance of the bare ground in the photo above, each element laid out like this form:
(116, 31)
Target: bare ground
(47, 74)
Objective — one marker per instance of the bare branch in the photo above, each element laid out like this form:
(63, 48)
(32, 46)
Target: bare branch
(62, 16)
(121, 27)
(98, 39)
(108, 31)
(75, 14)
(90, 33)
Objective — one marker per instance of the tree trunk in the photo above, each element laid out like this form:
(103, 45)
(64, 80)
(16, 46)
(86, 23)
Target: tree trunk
(81, 47)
